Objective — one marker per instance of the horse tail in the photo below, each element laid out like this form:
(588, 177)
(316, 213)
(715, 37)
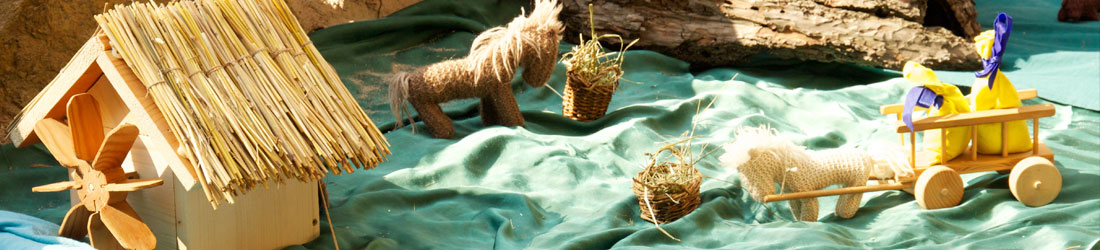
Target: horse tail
(398, 94)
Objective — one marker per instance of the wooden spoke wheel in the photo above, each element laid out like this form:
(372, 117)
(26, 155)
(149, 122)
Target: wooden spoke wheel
(939, 187)
(1035, 181)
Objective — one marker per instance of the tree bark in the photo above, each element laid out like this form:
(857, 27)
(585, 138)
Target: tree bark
(715, 33)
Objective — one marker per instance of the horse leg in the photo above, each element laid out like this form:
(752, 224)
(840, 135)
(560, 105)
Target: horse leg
(796, 208)
(488, 112)
(848, 204)
(439, 125)
(809, 210)
(506, 110)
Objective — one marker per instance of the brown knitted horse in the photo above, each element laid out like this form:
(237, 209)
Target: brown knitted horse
(529, 41)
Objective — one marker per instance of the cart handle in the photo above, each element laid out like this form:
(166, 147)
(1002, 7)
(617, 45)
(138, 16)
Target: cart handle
(836, 191)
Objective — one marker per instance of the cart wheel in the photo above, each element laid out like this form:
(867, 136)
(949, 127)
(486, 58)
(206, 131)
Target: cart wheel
(1035, 181)
(939, 187)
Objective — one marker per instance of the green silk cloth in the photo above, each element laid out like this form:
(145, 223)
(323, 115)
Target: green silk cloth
(555, 183)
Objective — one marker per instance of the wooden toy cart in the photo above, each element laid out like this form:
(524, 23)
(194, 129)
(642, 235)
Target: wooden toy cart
(1034, 179)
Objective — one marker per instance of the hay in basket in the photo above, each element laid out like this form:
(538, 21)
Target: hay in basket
(667, 190)
(592, 76)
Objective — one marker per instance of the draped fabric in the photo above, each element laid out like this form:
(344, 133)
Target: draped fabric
(555, 183)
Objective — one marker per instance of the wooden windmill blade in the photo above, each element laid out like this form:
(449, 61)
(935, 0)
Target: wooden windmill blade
(86, 125)
(74, 225)
(58, 140)
(102, 187)
(126, 226)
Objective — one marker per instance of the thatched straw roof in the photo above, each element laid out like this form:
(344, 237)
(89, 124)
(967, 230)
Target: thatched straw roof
(244, 91)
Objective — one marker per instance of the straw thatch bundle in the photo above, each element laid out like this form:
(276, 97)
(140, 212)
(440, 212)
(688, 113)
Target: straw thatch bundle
(246, 94)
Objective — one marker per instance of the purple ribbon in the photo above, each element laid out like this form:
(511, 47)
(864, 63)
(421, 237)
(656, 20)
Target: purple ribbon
(1002, 26)
(919, 96)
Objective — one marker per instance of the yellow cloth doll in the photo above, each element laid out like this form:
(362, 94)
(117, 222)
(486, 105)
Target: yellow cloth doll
(950, 101)
(992, 90)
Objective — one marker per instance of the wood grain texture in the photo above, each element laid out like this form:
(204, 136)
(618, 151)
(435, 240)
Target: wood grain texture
(1035, 181)
(157, 205)
(911, 10)
(56, 187)
(974, 143)
(99, 236)
(896, 109)
(133, 185)
(713, 33)
(152, 155)
(980, 117)
(127, 227)
(58, 139)
(939, 187)
(76, 77)
(836, 191)
(75, 223)
(86, 125)
(263, 219)
(1035, 135)
(111, 107)
(114, 149)
(983, 163)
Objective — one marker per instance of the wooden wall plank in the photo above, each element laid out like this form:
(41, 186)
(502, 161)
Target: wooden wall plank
(272, 218)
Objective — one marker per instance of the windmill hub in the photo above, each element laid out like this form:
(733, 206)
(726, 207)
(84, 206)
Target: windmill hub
(95, 195)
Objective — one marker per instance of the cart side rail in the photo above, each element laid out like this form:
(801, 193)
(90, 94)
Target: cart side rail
(980, 117)
(896, 109)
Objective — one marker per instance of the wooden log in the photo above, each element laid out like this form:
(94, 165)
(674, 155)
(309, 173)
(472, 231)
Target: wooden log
(714, 33)
(913, 10)
(959, 16)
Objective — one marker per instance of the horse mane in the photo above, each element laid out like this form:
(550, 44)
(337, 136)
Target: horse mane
(760, 141)
(500, 49)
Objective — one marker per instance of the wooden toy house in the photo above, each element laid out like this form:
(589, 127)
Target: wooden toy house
(189, 211)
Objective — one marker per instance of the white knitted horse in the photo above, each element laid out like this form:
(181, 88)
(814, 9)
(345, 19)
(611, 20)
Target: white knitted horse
(763, 159)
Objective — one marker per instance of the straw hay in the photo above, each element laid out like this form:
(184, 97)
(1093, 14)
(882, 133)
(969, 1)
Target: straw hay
(246, 94)
(592, 66)
(668, 190)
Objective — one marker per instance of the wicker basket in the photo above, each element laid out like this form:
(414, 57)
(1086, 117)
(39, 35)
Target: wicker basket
(583, 103)
(667, 206)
